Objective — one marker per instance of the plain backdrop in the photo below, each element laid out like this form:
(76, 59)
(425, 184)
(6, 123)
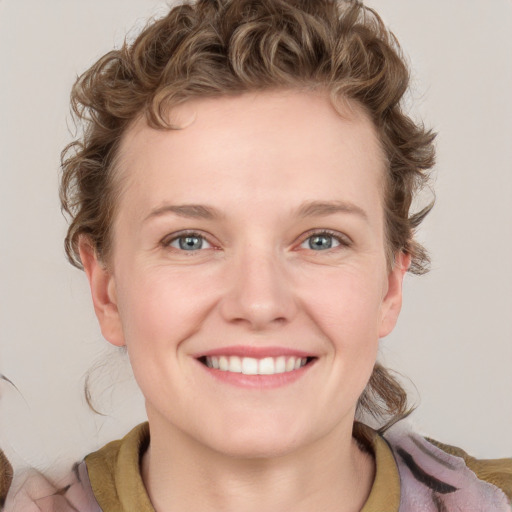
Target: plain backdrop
(454, 338)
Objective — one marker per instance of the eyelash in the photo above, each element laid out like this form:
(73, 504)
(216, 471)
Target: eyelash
(342, 240)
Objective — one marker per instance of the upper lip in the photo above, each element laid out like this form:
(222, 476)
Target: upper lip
(254, 352)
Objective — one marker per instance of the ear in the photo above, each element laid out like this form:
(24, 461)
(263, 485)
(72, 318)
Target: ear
(392, 303)
(103, 291)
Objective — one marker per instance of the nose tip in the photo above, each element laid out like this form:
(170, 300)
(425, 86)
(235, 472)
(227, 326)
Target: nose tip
(258, 317)
(259, 294)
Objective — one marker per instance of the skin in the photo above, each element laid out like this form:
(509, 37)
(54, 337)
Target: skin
(257, 282)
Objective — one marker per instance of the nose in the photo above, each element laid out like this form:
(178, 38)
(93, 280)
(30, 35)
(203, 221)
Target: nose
(259, 291)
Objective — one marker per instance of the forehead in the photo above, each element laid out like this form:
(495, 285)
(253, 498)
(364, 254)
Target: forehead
(278, 145)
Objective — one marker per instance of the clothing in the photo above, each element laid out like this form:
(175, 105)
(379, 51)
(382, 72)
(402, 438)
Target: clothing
(436, 477)
(413, 474)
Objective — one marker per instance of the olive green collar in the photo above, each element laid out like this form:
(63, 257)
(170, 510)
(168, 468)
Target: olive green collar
(114, 473)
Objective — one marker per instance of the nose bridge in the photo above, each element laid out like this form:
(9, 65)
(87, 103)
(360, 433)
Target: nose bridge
(259, 292)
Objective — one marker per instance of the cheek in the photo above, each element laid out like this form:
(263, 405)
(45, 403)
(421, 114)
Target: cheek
(346, 308)
(346, 304)
(160, 306)
(159, 310)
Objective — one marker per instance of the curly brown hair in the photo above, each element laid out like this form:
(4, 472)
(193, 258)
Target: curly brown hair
(210, 48)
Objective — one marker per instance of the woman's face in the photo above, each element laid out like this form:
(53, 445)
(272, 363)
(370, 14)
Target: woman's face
(248, 276)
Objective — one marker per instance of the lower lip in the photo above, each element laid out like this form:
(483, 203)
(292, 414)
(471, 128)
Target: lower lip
(258, 381)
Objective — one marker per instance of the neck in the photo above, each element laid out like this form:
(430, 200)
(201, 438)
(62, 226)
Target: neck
(330, 474)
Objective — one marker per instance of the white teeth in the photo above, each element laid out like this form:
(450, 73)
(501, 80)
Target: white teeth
(267, 366)
(281, 364)
(249, 366)
(235, 365)
(252, 366)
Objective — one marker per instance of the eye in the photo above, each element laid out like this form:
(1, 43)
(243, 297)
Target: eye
(324, 240)
(188, 242)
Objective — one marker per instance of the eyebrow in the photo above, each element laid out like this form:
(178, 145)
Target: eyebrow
(325, 208)
(306, 209)
(189, 211)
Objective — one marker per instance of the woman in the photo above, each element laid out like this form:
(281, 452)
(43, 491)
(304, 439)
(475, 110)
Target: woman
(240, 202)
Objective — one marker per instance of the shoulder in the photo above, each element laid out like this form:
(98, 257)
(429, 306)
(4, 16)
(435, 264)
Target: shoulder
(32, 491)
(105, 464)
(447, 476)
(108, 479)
(495, 471)
(114, 472)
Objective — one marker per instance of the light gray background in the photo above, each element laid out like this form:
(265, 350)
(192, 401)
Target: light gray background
(454, 339)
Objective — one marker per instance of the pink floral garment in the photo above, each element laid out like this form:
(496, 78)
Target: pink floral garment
(32, 492)
(432, 480)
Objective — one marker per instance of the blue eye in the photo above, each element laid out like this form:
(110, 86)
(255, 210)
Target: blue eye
(189, 242)
(320, 241)
(323, 241)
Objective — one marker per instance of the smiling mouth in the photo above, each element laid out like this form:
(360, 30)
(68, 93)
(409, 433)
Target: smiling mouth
(254, 366)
